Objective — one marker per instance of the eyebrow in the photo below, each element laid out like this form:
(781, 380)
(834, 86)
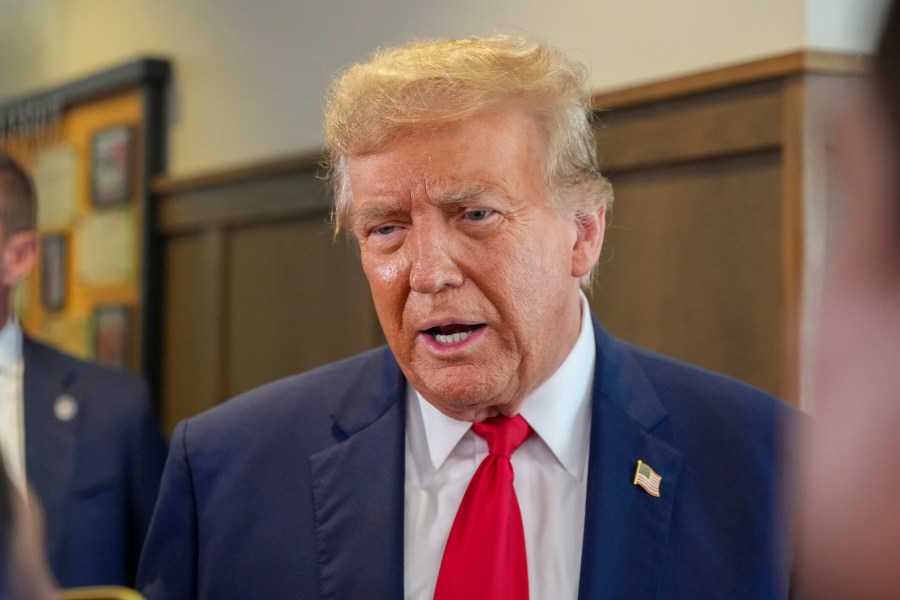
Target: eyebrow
(373, 212)
(450, 192)
(444, 193)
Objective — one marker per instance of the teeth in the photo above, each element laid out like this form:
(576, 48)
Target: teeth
(453, 338)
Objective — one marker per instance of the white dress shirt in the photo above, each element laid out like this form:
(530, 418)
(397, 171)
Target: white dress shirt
(550, 469)
(12, 424)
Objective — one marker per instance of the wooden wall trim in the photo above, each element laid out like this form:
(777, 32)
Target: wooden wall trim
(148, 72)
(794, 186)
(298, 163)
(720, 124)
(808, 61)
(286, 196)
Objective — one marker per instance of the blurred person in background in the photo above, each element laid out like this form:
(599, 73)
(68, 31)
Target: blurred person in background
(850, 461)
(24, 574)
(85, 438)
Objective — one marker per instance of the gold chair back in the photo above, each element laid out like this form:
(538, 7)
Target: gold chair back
(100, 593)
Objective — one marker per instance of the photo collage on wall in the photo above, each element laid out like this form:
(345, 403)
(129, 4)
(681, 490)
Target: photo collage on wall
(87, 221)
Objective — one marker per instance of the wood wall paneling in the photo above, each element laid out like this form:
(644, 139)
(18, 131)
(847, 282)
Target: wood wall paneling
(691, 265)
(715, 124)
(719, 181)
(722, 206)
(193, 325)
(296, 300)
(257, 288)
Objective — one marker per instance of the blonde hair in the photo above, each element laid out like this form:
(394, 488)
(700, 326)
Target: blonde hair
(421, 86)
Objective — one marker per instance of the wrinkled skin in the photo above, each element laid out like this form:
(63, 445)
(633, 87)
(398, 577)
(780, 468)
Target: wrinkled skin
(458, 233)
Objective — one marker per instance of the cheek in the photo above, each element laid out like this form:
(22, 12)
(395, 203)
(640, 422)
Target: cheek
(521, 279)
(386, 276)
(384, 272)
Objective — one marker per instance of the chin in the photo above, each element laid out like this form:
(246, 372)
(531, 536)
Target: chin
(462, 390)
(473, 414)
(466, 403)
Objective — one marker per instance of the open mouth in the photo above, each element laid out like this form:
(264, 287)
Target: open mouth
(453, 333)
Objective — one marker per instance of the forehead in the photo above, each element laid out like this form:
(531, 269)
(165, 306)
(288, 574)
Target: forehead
(501, 149)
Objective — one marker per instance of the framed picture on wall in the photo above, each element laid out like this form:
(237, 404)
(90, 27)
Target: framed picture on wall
(112, 160)
(112, 331)
(54, 260)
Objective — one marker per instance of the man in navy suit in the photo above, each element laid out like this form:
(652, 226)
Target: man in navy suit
(84, 437)
(466, 171)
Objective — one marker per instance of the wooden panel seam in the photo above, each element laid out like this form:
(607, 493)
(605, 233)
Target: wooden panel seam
(183, 226)
(810, 61)
(215, 248)
(613, 169)
(300, 163)
(793, 174)
(294, 196)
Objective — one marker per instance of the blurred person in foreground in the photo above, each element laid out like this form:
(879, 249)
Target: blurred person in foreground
(851, 459)
(466, 171)
(83, 437)
(24, 574)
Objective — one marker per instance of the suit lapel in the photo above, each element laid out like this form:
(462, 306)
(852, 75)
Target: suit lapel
(358, 486)
(50, 441)
(358, 492)
(626, 529)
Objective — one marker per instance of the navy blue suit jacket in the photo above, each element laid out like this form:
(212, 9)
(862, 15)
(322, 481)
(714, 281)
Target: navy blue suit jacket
(295, 490)
(95, 469)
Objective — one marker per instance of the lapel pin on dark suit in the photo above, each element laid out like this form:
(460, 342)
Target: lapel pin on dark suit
(647, 478)
(65, 407)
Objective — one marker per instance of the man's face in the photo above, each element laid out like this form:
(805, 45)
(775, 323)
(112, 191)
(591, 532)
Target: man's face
(474, 273)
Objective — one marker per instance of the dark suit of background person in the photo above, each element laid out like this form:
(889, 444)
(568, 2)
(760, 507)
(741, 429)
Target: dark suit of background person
(299, 489)
(93, 448)
(97, 472)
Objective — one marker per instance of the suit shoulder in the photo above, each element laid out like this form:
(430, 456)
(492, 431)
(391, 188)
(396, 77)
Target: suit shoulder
(38, 355)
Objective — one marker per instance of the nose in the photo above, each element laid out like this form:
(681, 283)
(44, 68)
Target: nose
(433, 266)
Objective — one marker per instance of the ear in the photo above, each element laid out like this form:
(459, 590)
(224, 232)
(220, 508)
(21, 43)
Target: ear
(589, 241)
(19, 253)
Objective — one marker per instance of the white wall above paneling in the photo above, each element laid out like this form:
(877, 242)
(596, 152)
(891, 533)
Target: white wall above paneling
(843, 25)
(250, 75)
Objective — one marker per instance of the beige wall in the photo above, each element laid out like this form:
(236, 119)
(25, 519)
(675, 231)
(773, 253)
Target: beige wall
(250, 74)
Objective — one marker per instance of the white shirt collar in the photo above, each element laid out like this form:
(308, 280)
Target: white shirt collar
(10, 344)
(558, 411)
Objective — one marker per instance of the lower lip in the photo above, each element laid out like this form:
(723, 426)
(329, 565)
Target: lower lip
(445, 350)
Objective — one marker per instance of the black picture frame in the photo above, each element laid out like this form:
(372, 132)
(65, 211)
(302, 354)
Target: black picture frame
(151, 77)
(54, 271)
(112, 335)
(112, 166)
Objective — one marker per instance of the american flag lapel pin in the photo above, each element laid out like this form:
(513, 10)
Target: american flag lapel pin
(647, 478)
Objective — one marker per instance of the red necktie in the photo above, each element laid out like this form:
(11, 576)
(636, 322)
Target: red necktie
(485, 553)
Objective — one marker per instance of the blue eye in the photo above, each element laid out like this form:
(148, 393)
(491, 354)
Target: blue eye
(479, 214)
(385, 229)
